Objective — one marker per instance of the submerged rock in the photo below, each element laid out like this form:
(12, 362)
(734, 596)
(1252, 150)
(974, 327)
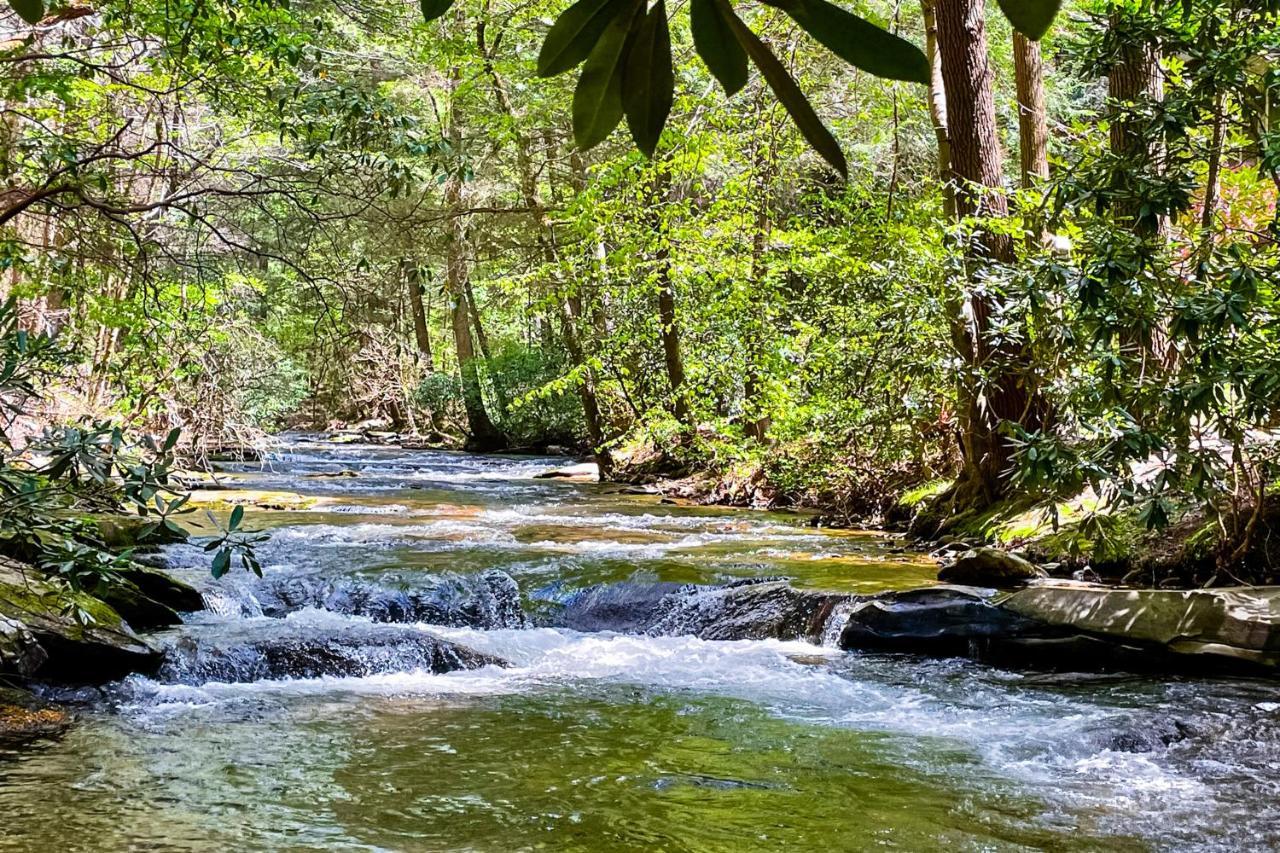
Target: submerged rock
(24, 717)
(990, 567)
(278, 650)
(100, 648)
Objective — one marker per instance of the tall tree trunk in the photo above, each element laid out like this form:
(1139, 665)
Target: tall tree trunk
(938, 109)
(763, 171)
(994, 391)
(484, 435)
(421, 327)
(669, 327)
(1135, 78)
(570, 307)
(1033, 122)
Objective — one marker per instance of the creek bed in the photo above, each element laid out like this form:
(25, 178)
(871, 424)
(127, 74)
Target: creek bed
(602, 742)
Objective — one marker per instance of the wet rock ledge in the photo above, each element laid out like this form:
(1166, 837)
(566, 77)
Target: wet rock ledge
(1044, 624)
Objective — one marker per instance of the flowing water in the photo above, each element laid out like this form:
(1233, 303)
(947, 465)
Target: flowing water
(602, 742)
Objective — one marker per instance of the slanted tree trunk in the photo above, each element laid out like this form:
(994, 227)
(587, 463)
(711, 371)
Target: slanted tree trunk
(993, 390)
(570, 307)
(483, 434)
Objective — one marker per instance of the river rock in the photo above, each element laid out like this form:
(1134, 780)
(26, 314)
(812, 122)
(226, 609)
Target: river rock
(1238, 623)
(743, 610)
(583, 471)
(486, 600)
(20, 653)
(98, 651)
(627, 608)
(162, 587)
(990, 567)
(272, 650)
(946, 619)
(747, 611)
(130, 531)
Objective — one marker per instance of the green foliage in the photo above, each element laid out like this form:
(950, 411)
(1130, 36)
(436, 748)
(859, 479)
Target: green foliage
(625, 39)
(540, 412)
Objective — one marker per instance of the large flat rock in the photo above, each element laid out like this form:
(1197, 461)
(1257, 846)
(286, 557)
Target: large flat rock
(1241, 623)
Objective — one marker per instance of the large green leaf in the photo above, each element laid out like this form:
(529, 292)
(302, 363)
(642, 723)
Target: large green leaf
(715, 43)
(31, 11)
(1032, 18)
(432, 9)
(597, 101)
(575, 33)
(858, 42)
(814, 131)
(648, 79)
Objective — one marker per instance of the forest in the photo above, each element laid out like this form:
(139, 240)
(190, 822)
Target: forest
(1045, 272)
(997, 281)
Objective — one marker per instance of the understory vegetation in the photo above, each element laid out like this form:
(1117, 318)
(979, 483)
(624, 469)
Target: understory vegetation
(1042, 305)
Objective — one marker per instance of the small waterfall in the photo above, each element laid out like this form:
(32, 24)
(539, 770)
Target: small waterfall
(231, 601)
(488, 600)
(835, 623)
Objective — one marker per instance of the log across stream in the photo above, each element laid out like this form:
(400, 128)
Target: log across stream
(430, 664)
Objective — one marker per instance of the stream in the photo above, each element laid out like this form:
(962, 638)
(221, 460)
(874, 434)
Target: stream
(604, 741)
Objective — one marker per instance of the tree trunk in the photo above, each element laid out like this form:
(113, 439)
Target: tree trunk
(421, 328)
(1033, 123)
(938, 109)
(484, 435)
(569, 308)
(1135, 78)
(669, 328)
(993, 391)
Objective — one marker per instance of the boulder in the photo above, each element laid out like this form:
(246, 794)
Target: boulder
(163, 588)
(743, 610)
(20, 653)
(131, 531)
(100, 648)
(990, 567)
(1236, 623)
(272, 650)
(939, 619)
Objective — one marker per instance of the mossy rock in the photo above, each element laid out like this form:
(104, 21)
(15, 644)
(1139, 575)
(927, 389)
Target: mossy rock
(104, 648)
(132, 531)
(990, 567)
